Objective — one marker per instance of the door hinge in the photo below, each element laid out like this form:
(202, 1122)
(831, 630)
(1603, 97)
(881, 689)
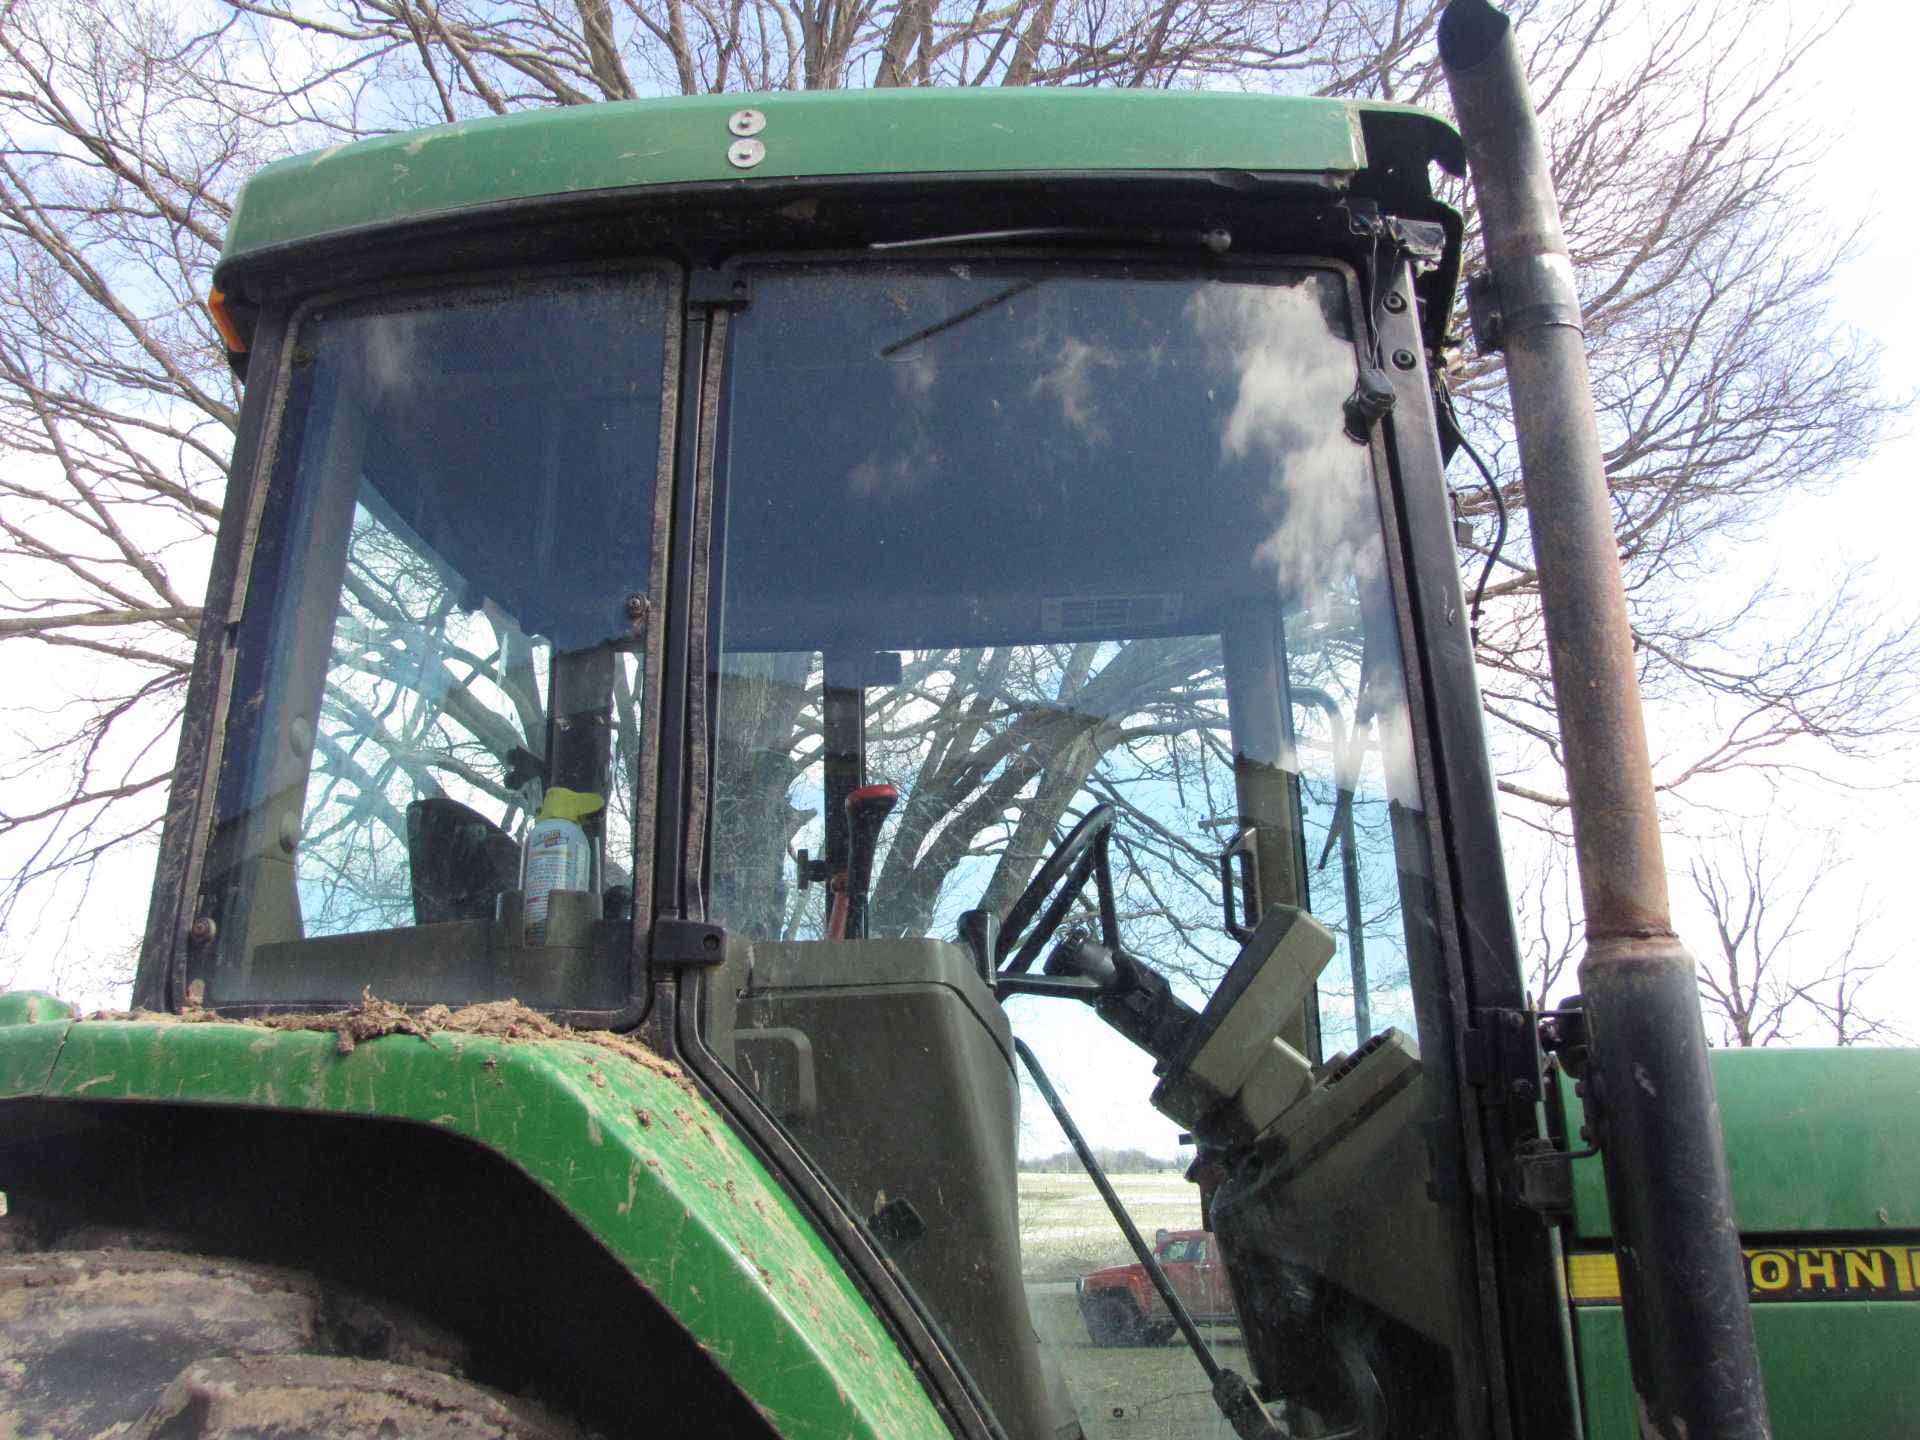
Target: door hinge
(1503, 1056)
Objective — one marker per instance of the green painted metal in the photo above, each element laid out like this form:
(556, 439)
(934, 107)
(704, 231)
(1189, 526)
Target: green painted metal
(1832, 1368)
(1814, 1142)
(33, 1027)
(635, 1157)
(33, 1007)
(581, 149)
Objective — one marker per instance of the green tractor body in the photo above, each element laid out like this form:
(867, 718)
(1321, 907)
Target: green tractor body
(1826, 1196)
(962, 587)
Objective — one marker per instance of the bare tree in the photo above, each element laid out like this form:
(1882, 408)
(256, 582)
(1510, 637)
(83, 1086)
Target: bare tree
(116, 412)
(1722, 392)
(1552, 932)
(1786, 963)
(1724, 389)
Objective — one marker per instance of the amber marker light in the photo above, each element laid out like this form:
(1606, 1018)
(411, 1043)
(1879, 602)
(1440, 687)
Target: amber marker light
(223, 322)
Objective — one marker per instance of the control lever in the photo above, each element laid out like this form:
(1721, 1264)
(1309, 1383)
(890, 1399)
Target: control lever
(867, 809)
(1133, 997)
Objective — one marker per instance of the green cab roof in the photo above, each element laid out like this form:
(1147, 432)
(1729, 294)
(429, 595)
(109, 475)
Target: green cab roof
(572, 150)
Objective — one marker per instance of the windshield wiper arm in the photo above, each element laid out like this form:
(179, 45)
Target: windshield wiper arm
(1218, 241)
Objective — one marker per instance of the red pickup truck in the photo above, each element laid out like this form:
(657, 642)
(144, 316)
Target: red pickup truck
(1121, 1306)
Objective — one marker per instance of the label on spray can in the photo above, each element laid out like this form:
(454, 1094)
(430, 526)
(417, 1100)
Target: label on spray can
(559, 856)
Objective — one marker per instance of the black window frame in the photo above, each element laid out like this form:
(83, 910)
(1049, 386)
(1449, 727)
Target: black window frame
(1399, 452)
(260, 454)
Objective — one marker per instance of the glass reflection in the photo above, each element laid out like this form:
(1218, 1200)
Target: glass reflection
(437, 647)
(1086, 539)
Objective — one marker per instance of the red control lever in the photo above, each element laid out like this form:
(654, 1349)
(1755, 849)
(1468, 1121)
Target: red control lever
(867, 810)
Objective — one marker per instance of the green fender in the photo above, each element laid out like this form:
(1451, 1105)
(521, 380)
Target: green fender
(625, 1147)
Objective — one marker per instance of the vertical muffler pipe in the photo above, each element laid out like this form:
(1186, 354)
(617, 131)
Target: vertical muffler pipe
(1683, 1287)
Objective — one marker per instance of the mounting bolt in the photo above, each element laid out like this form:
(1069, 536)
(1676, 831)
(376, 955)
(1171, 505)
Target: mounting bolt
(745, 154)
(709, 943)
(1395, 302)
(747, 122)
(1405, 359)
(202, 931)
(637, 607)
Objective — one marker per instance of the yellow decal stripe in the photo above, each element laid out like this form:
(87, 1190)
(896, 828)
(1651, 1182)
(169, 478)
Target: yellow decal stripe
(1781, 1272)
(1593, 1279)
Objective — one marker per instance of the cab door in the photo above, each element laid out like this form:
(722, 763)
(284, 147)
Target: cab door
(1183, 1261)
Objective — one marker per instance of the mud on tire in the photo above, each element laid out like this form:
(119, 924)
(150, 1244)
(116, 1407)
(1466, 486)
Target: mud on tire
(161, 1342)
(310, 1397)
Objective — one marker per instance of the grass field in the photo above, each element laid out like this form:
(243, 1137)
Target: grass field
(1156, 1391)
(1066, 1229)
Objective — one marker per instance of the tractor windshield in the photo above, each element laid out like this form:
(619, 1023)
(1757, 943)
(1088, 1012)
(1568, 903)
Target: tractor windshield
(441, 652)
(1059, 699)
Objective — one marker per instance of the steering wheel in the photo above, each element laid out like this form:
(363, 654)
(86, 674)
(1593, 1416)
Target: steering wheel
(1056, 885)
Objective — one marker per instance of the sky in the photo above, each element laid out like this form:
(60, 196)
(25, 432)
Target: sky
(1866, 95)
(1858, 93)
(1862, 95)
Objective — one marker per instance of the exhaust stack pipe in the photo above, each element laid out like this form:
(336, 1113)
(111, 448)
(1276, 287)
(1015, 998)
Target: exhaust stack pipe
(1683, 1282)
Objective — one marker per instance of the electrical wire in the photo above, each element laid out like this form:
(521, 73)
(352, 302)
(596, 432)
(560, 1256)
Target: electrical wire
(1452, 423)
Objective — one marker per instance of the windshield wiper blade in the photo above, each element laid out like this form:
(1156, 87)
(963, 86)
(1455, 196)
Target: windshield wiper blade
(1218, 240)
(960, 317)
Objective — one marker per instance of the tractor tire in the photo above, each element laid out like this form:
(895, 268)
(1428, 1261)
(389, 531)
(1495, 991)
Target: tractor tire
(307, 1397)
(1113, 1321)
(95, 1341)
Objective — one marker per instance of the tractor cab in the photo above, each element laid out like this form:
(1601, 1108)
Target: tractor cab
(1002, 644)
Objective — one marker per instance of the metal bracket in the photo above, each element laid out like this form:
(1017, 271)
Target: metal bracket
(1424, 242)
(1546, 1178)
(1503, 1056)
(718, 290)
(689, 942)
(1483, 313)
(1506, 1053)
(1563, 1034)
(1529, 292)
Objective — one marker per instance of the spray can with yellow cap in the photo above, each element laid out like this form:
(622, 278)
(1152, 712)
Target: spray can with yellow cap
(559, 854)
